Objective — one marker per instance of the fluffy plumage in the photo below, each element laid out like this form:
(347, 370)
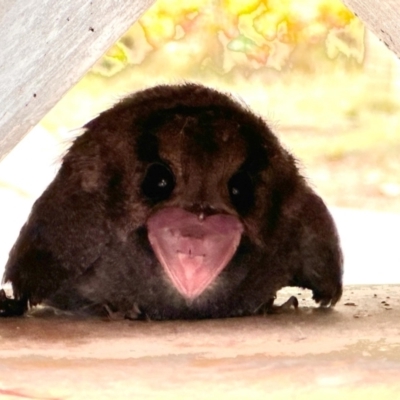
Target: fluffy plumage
(178, 202)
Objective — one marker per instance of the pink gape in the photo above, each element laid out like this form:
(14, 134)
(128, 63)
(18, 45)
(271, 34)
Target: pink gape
(193, 250)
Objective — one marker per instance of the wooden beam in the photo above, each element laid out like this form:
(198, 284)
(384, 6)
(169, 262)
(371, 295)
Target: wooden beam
(382, 17)
(46, 47)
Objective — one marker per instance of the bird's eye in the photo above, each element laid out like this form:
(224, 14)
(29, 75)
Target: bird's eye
(158, 183)
(241, 191)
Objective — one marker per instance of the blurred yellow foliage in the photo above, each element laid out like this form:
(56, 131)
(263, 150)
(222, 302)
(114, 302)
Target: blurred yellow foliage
(223, 34)
(239, 7)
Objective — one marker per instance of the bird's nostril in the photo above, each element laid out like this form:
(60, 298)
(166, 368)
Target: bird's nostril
(203, 210)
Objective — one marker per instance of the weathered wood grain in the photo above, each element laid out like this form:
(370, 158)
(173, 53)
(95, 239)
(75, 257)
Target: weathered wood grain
(45, 47)
(382, 17)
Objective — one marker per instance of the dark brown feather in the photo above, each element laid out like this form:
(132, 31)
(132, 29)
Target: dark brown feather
(85, 246)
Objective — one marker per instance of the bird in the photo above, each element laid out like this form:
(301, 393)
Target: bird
(178, 202)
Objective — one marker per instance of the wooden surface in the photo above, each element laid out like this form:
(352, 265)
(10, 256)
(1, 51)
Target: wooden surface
(46, 47)
(382, 17)
(351, 352)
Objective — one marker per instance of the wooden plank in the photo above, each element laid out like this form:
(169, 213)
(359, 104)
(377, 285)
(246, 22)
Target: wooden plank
(46, 47)
(382, 17)
(351, 352)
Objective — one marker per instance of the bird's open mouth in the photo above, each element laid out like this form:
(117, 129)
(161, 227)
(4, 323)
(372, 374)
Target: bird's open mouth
(193, 251)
